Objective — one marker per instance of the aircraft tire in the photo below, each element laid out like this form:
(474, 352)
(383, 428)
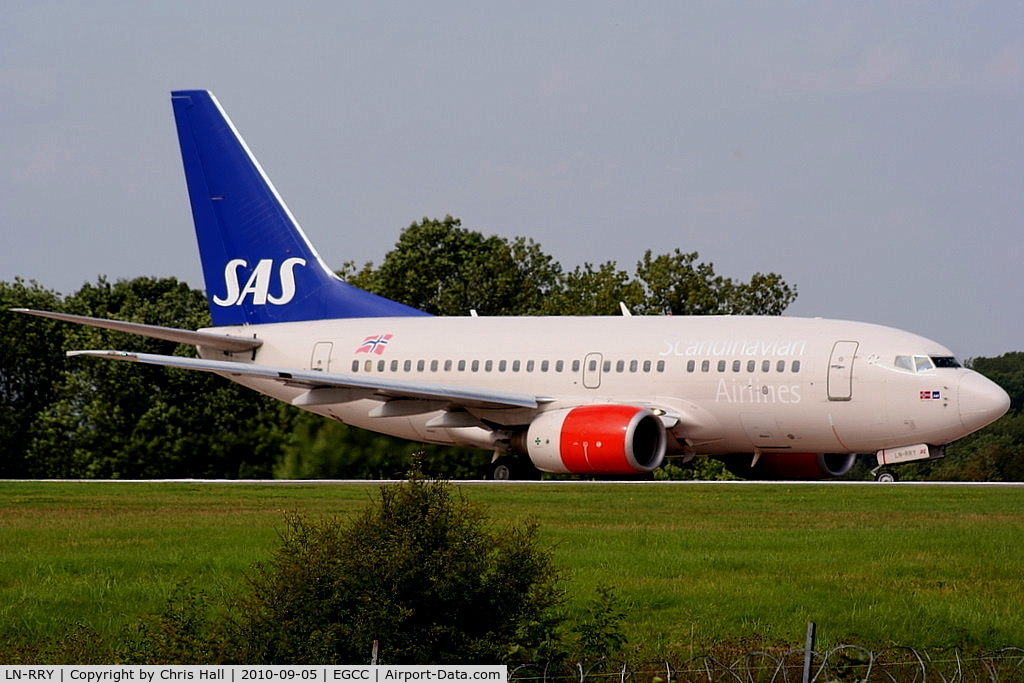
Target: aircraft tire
(886, 477)
(511, 468)
(502, 469)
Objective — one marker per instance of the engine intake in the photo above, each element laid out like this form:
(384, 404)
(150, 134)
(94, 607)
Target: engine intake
(595, 439)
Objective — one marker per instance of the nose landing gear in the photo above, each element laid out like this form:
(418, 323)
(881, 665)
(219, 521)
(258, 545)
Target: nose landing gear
(904, 454)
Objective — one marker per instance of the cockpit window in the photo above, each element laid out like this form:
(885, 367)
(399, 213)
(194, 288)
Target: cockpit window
(905, 363)
(924, 363)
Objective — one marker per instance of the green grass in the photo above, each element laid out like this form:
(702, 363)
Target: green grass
(694, 565)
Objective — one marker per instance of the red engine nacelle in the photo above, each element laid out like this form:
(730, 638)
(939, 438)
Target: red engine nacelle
(596, 439)
(795, 466)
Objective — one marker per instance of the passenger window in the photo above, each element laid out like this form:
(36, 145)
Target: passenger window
(355, 366)
(560, 365)
(488, 366)
(502, 365)
(462, 366)
(691, 365)
(607, 366)
(433, 366)
(751, 365)
(705, 366)
(736, 366)
(661, 366)
(407, 366)
(544, 365)
(634, 364)
(721, 366)
(368, 366)
(620, 366)
(515, 366)
(647, 366)
(380, 366)
(780, 366)
(766, 366)
(447, 366)
(796, 366)
(529, 366)
(394, 366)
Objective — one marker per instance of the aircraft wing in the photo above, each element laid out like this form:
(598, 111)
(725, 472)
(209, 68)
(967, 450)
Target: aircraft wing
(353, 387)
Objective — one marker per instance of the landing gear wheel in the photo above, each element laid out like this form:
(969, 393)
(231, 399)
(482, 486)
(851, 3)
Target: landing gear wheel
(886, 477)
(503, 469)
(510, 468)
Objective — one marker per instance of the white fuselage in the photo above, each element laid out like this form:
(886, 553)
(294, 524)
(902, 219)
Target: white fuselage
(727, 384)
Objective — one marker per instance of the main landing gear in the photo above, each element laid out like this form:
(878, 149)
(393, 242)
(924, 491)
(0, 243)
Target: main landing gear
(510, 468)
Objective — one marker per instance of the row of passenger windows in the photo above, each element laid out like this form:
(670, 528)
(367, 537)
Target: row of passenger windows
(505, 366)
(738, 365)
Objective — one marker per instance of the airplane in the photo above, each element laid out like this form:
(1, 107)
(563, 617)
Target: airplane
(777, 398)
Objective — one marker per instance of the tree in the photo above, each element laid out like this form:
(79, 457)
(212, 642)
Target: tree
(679, 284)
(31, 362)
(121, 420)
(587, 290)
(444, 269)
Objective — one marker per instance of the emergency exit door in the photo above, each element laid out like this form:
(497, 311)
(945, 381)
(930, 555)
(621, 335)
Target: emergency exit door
(840, 371)
(592, 371)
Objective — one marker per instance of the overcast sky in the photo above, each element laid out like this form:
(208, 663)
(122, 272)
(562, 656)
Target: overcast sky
(872, 153)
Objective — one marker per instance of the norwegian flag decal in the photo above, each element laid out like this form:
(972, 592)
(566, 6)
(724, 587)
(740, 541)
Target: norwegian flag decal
(376, 344)
(927, 395)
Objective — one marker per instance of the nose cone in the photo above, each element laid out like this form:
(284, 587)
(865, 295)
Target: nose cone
(981, 400)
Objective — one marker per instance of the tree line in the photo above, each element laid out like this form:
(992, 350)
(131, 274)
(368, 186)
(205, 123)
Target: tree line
(81, 418)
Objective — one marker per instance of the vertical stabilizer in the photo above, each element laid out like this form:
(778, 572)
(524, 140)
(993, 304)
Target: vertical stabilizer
(258, 265)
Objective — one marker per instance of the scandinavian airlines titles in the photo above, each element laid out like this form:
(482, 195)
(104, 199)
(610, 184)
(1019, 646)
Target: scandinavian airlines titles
(754, 391)
(746, 390)
(732, 346)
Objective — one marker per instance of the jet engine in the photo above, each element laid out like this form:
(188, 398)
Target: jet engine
(595, 439)
(794, 466)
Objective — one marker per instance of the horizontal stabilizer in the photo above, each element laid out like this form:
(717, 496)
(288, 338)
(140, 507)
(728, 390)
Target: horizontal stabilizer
(210, 340)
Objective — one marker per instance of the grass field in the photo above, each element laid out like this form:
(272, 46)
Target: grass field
(694, 565)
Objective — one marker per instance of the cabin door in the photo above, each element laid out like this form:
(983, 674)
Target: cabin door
(321, 359)
(840, 371)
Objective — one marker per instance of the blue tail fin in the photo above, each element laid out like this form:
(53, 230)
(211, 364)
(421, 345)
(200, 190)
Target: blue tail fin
(258, 265)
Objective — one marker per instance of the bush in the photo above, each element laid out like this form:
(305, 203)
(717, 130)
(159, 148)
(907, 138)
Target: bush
(421, 571)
